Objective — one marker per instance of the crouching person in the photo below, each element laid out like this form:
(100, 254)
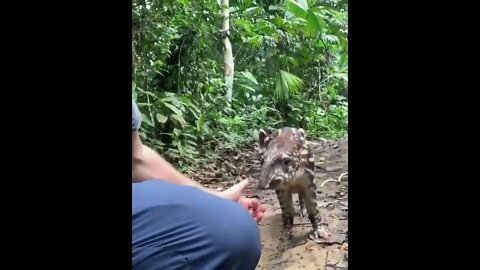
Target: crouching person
(179, 224)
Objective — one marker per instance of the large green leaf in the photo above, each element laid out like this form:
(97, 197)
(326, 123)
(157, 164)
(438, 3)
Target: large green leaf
(161, 118)
(177, 132)
(247, 87)
(173, 108)
(275, 7)
(180, 148)
(343, 42)
(303, 4)
(255, 10)
(200, 122)
(315, 23)
(147, 120)
(342, 76)
(313, 26)
(151, 94)
(173, 99)
(297, 9)
(249, 76)
(180, 119)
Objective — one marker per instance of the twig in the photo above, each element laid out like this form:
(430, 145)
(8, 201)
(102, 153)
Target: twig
(326, 261)
(317, 144)
(334, 180)
(208, 178)
(302, 224)
(341, 176)
(328, 181)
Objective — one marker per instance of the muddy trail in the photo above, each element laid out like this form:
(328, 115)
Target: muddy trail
(331, 158)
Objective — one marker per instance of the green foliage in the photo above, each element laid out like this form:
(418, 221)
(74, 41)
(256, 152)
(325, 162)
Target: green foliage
(291, 68)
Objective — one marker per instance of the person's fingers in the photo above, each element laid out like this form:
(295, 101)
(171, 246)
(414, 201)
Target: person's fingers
(259, 217)
(256, 204)
(235, 192)
(254, 207)
(258, 207)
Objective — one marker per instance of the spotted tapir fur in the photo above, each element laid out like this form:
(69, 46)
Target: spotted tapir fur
(288, 167)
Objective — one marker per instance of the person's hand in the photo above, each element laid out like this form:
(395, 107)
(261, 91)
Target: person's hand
(254, 206)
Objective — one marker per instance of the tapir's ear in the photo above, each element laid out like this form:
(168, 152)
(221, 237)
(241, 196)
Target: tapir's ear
(301, 134)
(264, 137)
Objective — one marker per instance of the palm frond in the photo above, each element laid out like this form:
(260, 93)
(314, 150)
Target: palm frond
(286, 84)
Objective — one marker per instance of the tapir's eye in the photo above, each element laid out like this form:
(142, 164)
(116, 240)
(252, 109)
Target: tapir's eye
(287, 162)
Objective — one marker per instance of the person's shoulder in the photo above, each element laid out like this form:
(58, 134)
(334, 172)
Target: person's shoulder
(136, 117)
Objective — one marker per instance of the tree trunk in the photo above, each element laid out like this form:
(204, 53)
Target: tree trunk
(227, 53)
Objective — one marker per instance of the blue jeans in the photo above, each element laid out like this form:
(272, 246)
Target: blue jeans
(181, 227)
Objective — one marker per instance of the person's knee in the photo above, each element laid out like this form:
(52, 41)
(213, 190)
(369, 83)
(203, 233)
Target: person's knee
(244, 236)
(245, 246)
(207, 232)
(239, 238)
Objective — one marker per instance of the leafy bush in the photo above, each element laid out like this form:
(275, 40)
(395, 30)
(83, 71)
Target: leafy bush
(291, 66)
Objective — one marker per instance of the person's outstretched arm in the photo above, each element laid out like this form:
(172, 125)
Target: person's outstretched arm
(147, 165)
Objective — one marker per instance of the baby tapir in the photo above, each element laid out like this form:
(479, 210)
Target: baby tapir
(288, 166)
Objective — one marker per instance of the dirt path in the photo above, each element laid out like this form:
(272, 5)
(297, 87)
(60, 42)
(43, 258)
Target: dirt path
(301, 253)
